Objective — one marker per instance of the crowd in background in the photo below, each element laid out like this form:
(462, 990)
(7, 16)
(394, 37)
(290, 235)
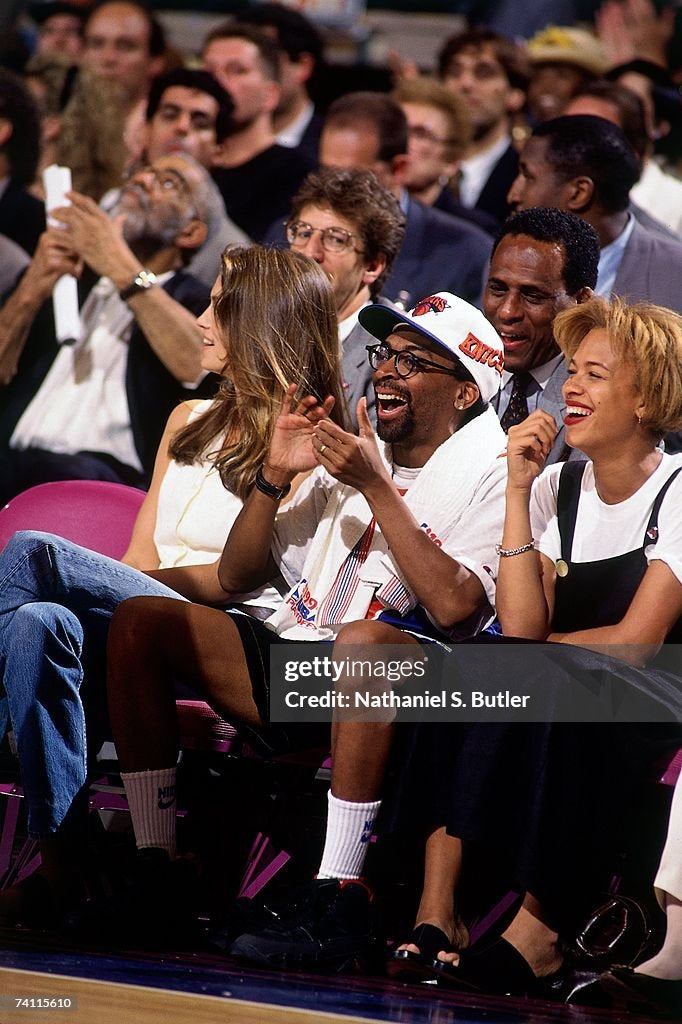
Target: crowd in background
(521, 177)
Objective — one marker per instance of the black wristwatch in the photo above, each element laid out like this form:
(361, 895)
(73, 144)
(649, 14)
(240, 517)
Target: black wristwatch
(272, 490)
(143, 279)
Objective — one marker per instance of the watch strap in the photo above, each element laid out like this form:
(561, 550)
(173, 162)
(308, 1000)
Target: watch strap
(272, 490)
(143, 279)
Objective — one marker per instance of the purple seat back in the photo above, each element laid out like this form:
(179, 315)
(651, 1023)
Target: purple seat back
(96, 514)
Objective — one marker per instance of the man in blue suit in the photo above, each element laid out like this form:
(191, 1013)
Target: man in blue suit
(440, 252)
(544, 260)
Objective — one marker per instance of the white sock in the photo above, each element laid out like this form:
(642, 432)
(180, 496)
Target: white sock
(349, 830)
(151, 799)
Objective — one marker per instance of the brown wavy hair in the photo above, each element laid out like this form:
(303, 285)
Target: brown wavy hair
(277, 312)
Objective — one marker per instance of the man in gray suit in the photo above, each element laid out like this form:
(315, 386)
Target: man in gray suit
(544, 260)
(585, 165)
(353, 227)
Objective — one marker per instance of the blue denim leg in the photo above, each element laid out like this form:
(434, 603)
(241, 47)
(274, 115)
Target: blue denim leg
(44, 663)
(78, 584)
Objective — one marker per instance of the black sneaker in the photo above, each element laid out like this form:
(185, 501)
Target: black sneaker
(330, 927)
(155, 906)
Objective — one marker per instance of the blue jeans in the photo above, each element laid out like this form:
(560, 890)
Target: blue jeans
(56, 601)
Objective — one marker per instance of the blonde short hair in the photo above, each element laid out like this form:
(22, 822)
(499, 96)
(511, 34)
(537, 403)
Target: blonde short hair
(431, 93)
(648, 337)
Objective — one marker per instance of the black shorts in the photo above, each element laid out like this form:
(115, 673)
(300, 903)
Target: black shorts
(281, 737)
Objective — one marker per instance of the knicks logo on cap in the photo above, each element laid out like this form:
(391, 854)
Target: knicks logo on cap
(482, 353)
(431, 304)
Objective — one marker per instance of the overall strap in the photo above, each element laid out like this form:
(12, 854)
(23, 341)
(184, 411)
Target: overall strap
(568, 497)
(651, 532)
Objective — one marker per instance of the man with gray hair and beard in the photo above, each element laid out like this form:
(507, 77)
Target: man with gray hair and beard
(95, 409)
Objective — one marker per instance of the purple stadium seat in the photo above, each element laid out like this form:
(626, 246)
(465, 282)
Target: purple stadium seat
(94, 513)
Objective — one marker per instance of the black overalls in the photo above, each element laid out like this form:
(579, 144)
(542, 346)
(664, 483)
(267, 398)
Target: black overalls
(553, 801)
(593, 594)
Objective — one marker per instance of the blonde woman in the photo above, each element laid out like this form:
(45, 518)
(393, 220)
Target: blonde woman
(590, 565)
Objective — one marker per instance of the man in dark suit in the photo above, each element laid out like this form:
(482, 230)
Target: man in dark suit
(353, 227)
(96, 409)
(22, 216)
(440, 252)
(544, 261)
(490, 74)
(296, 122)
(585, 165)
(13, 261)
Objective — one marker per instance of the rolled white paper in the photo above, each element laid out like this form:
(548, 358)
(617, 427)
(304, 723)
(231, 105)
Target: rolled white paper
(57, 182)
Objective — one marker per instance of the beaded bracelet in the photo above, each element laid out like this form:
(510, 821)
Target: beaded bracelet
(508, 552)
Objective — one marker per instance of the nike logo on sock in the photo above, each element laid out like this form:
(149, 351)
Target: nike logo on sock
(166, 797)
(367, 830)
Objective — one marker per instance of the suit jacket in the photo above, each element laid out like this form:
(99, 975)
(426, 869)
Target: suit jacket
(151, 390)
(357, 372)
(309, 145)
(439, 253)
(651, 224)
(22, 217)
(651, 270)
(551, 400)
(13, 261)
(493, 197)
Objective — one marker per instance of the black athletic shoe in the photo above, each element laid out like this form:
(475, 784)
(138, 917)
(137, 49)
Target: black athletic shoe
(154, 907)
(330, 927)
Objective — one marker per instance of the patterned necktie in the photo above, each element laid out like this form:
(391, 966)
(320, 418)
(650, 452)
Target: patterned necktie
(517, 410)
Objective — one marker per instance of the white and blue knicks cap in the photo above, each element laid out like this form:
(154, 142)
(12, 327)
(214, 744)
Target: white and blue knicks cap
(454, 326)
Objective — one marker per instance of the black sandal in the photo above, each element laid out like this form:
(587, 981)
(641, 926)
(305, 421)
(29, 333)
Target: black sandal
(497, 969)
(405, 964)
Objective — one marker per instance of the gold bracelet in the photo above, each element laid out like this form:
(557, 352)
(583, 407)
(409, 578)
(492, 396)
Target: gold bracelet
(509, 552)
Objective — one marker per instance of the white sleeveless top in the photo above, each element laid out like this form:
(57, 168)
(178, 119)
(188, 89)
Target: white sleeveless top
(194, 516)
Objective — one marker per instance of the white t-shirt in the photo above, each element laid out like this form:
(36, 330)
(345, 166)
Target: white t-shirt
(471, 543)
(604, 531)
(82, 404)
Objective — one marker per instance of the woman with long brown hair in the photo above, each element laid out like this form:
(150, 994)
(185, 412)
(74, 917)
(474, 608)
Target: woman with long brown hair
(271, 320)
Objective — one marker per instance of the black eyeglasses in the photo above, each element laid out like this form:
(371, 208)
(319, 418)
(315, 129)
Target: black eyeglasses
(333, 239)
(406, 362)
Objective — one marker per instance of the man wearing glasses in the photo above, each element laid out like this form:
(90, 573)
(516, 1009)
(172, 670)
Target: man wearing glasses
(395, 531)
(189, 112)
(95, 409)
(353, 228)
